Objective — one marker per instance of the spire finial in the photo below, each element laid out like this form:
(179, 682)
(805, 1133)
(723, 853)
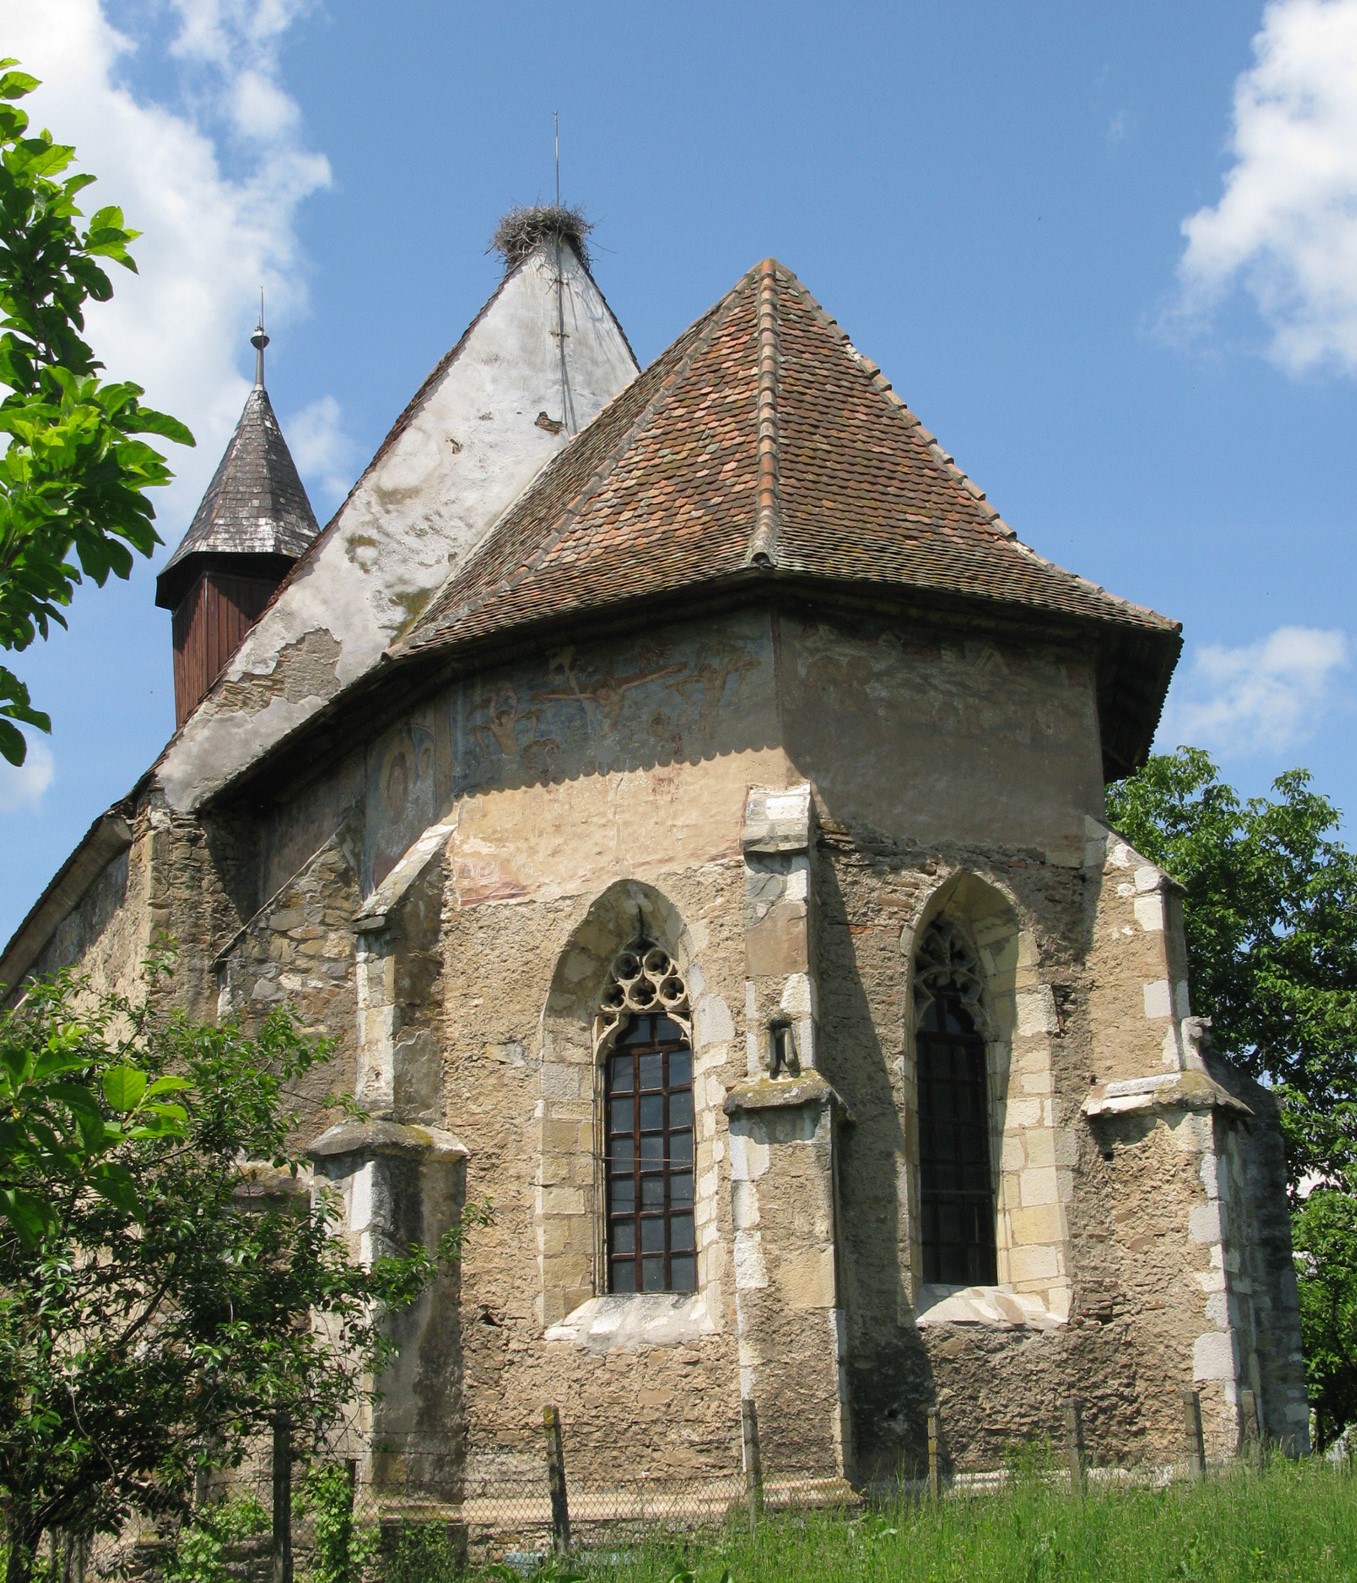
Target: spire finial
(259, 341)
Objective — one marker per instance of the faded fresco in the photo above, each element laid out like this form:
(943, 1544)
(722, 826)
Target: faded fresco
(592, 712)
(400, 795)
(942, 736)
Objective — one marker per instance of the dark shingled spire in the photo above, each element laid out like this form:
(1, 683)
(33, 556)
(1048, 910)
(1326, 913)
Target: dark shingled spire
(252, 526)
(255, 504)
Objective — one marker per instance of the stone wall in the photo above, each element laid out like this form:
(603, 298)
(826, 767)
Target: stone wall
(788, 807)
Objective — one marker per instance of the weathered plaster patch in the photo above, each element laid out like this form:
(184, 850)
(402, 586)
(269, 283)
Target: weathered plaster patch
(634, 1322)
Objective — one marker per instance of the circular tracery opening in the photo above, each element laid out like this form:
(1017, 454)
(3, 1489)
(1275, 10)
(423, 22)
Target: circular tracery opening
(644, 978)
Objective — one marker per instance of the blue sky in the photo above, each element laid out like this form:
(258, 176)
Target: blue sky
(1107, 253)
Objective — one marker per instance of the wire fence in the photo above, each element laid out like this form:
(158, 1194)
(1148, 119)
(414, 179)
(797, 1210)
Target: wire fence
(288, 1518)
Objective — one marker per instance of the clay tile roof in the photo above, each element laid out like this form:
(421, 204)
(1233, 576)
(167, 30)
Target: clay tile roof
(255, 504)
(761, 438)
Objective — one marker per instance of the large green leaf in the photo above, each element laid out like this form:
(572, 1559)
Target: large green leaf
(124, 1087)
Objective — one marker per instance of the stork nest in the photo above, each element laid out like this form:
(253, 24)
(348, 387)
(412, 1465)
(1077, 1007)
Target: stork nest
(527, 226)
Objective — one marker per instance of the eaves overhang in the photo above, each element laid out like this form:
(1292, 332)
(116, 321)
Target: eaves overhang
(1133, 665)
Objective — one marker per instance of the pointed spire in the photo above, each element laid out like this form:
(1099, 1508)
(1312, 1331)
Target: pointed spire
(256, 503)
(252, 524)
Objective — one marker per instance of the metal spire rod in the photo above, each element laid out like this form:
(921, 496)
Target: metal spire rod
(556, 126)
(259, 341)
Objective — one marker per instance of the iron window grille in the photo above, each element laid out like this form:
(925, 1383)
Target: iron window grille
(956, 1186)
(647, 1069)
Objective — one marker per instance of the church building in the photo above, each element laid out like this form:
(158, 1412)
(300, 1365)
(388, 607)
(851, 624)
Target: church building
(680, 796)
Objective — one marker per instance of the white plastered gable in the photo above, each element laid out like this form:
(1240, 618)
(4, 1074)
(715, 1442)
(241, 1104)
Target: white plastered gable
(542, 359)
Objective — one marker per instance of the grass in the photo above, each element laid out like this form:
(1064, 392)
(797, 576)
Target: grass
(1296, 1523)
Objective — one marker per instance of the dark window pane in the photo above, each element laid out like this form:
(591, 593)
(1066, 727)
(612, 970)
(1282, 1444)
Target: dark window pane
(620, 1073)
(681, 1233)
(621, 1153)
(681, 1148)
(652, 1192)
(683, 1277)
(668, 1030)
(652, 1234)
(622, 1193)
(652, 1071)
(680, 1069)
(621, 1113)
(681, 1188)
(622, 1275)
(681, 1108)
(956, 1194)
(652, 1275)
(652, 1110)
(623, 1236)
(652, 1148)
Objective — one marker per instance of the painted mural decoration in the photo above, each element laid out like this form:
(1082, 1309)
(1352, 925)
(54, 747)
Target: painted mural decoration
(400, 796)
(585, 714)
(927, 681)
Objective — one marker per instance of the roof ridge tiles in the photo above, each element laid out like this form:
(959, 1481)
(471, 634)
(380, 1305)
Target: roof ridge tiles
(763, 540)
(883, 386)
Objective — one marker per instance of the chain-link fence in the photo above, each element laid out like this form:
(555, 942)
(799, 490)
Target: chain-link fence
(324, 1517)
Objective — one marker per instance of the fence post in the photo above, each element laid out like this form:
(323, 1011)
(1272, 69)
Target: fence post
(753, 1461)
(350, 1494)
(934, 1471)
(1074, 1444)
(282, 1500)
(560, 1506)
(1192, 1429)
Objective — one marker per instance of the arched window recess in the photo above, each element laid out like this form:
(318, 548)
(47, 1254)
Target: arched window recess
(643, 1045)
(956, 1183)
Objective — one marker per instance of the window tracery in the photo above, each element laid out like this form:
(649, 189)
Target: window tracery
(643, 978)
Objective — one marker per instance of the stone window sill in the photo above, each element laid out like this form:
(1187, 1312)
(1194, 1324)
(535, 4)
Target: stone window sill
(998, 1306)
(635, 1321)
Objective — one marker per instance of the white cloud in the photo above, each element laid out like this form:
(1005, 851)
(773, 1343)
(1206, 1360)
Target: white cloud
(1285, 228)
(1120, 127)
(24, 787)
(1265, 696)
(323, 452)
(214, 183)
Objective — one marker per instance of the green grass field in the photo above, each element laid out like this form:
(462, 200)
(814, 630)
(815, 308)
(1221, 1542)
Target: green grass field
(1296, 1523)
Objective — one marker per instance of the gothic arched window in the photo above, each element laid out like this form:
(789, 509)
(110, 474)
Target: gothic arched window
(645, 1043)
(956, 1187)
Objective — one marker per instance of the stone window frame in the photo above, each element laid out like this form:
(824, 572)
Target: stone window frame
(1032, 1163)
(573, 1301)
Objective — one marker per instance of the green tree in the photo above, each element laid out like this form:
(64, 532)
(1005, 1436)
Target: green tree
(59, 1134)
(162, 1318)
(1324, 1229)
(1270, 912)
(1270, 917)
(74, 475)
